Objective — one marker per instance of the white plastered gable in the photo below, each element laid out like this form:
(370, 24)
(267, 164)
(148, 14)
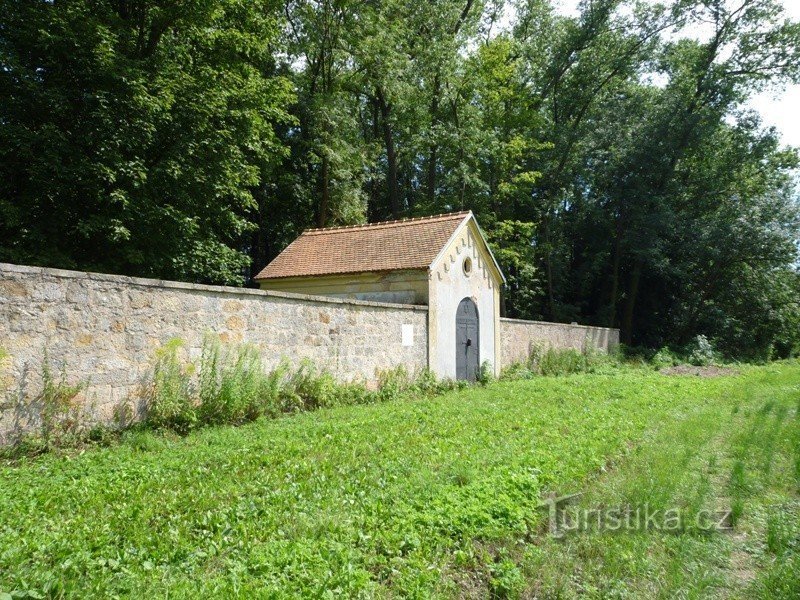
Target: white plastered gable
(449, 284)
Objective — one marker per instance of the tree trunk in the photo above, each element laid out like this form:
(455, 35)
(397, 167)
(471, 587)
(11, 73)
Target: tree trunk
(612, 301)
(630, 303)
(430, 192)
(391, 156)
(548, 263)
(325, 193)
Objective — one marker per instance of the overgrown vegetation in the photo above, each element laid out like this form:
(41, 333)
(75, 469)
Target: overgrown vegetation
(226, 386)
(549, 361)
(55, 417)
(736, 454)
(169, 401)
(230, 386)
(60, 409)
(699, 352)
(425, 497)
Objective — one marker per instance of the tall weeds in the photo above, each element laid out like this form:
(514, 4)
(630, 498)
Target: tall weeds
(229, 385)
(546, 360)
(56, 416)
(233, 387)
(59, 409)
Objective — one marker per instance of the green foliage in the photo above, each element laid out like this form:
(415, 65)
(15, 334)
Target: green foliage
(507, 580)
(142, 440)
(427, 384)
(392, 384)
(225, 386)
(781, 581)
(169, 400)
(701, 352)
(133, 135)
(308, 388)
(779, 533)
(512, 244)
(407, 498)
(60, 411)
(690, 462)
(665, 357)
(231, 386)
(55, 417)
(547, 360)
(485, 373)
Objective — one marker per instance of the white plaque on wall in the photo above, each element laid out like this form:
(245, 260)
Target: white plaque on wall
(408, 335)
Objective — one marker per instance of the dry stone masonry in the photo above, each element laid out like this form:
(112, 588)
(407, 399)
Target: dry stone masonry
(519, 338)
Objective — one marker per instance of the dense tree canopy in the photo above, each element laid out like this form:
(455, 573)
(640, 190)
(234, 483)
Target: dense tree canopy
(609, 155)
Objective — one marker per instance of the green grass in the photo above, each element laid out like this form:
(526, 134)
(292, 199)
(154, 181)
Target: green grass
(734, 452)
(227, 385)
(425, 497)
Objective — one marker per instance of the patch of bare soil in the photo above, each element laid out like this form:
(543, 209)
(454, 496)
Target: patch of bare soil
(710, 371)
(742, 565)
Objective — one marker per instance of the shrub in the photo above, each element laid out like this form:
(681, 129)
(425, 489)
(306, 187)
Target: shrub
(665, 358)
(426, 383)
(308, 388)
(566, 361)
(701, 352)
(486, 373)
(353, 392)
(561, 362)
(271, 390)
(392, 384)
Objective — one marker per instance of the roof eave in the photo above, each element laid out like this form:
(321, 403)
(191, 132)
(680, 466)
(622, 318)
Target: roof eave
(491, 254)
(339, 274)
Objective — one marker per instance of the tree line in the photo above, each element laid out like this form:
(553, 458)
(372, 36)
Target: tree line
(609, 155)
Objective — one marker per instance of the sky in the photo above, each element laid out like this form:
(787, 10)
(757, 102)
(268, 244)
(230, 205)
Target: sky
(778, 108)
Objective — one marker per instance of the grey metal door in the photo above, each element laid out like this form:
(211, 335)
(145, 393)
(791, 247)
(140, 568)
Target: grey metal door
(467, 358)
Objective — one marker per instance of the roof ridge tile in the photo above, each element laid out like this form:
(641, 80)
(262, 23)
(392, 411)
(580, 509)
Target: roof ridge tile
(383, 224)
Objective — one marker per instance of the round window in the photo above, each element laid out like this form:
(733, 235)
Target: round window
(467, 266)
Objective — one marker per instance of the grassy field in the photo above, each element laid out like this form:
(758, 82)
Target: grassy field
(435, 497)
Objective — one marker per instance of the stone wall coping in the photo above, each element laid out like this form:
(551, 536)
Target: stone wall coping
(198, 287)
(553, 324)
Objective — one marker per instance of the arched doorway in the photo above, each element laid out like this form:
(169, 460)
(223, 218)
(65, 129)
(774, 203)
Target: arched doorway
(467, 355)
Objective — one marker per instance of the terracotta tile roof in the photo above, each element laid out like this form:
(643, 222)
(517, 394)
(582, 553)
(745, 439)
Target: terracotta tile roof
(386, 246)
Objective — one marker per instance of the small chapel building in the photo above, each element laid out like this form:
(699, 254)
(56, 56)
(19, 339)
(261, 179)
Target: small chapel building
(442, 262)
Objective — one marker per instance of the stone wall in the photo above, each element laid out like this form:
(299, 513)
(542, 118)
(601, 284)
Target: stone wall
(518, 338)
(106, 329)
